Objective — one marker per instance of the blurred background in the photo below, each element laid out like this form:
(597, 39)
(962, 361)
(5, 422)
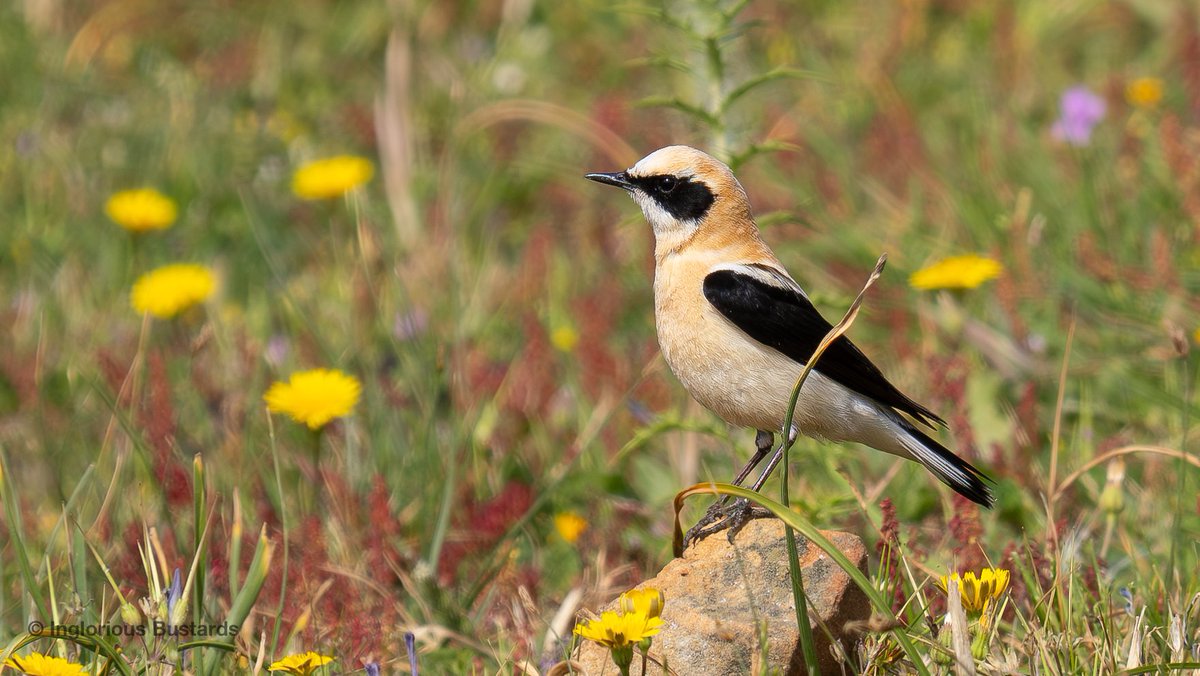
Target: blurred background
(519, 438)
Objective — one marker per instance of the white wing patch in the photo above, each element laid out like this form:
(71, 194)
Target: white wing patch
(767, 274)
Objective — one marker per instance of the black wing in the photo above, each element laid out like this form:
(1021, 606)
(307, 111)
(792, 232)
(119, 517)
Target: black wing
(787, 321)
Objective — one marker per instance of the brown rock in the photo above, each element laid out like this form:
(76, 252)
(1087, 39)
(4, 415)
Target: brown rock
(719, 596)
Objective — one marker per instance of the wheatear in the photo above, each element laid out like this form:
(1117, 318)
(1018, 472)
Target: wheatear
(736, 329)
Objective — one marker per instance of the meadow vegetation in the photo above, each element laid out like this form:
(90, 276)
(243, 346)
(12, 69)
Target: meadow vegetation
(503, 441)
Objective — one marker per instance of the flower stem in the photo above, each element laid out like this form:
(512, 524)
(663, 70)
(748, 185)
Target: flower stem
(622, 656)
(315, 450)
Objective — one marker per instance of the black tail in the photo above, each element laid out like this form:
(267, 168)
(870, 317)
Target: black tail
(951, 469)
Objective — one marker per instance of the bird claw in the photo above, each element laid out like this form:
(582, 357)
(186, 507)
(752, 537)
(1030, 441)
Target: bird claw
(724, 516)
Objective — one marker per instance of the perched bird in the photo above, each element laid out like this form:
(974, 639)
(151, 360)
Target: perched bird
(737, 330)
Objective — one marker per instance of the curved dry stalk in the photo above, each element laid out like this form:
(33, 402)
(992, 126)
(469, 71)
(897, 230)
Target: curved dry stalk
(601, 137)
(1124, 450)
(1056, 435)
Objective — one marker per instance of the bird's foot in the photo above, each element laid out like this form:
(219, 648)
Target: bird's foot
(730, 516)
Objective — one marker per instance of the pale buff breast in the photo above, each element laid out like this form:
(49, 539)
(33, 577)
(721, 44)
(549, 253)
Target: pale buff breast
(737, 378)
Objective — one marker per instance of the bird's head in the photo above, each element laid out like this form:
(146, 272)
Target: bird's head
(683, 191)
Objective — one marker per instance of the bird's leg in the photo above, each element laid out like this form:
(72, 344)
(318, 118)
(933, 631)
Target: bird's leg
(771, 465)
(729, 517)
(734, 516)
(773, 462)
(719, 515)
(763, 441)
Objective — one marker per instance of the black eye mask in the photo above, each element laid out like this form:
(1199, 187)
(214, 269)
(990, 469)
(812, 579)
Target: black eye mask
(683, 197)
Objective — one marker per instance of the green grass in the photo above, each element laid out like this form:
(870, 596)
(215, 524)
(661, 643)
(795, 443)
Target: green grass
(921, 130)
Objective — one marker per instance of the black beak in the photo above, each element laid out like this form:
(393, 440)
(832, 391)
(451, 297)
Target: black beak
(619, 179)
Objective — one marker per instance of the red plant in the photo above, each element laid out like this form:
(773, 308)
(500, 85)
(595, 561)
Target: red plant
(965, 529)
(888, 550)
(484, 524)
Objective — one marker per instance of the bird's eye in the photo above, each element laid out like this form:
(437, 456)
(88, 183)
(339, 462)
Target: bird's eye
(666, 184)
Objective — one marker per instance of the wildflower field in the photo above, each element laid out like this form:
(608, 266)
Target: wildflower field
(320, 356)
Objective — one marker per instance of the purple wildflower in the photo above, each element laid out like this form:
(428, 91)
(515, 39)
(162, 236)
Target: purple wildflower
(1128, 596)
(277, 350)
(411, 325)
(410, 647)
(1080, 111)
(174, 593)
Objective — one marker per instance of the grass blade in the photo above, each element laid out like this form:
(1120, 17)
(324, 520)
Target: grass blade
(199, 528)
(16, 533)
(256, 576)
(803, 625)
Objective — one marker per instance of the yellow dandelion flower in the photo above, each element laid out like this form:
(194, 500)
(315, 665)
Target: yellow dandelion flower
(956, 272)
(1144, 92)
(570, 525)
(314, 397)
(331, 177)
(141, 210)
(302, 664)
(978, 591)
(564, 338)
(614, 630)
(37, 664)
(1196, 336)
(648, 601)
(165, 292)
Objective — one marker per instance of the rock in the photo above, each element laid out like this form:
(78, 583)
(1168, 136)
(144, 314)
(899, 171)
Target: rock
(719, 595)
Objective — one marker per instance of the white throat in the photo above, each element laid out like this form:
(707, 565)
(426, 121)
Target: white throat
(669, 232)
